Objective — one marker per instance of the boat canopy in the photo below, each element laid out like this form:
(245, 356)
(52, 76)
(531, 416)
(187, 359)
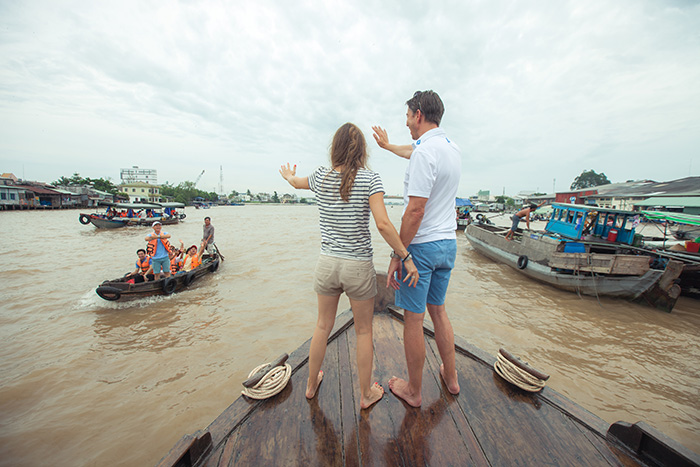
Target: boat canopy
(130, 205)
(171, 204)
(678, 217)
(463, 202)
(576, 220)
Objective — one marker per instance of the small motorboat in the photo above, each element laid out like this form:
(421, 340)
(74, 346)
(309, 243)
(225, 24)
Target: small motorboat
(125, 289)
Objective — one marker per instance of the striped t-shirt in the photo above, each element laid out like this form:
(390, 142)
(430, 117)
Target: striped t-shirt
(345, 225)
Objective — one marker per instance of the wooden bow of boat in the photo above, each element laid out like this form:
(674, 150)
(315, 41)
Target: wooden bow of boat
(490, 422)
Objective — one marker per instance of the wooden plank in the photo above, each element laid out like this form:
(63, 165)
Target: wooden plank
(601, 263)
(474, 454)
(514, 427)
(242, 407)
(290, 427)
(351, 453)
(376, 425)
(228, 450)
(427, 435)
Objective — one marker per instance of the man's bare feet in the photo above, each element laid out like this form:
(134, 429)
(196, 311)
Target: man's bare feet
(376, 393)
(311, 391)
(401, 390)
(452, 384)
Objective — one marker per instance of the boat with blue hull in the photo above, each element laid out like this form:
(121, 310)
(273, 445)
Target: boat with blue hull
(588, 250)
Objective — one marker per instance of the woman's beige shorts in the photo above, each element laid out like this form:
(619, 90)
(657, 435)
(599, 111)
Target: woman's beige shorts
(334, 276)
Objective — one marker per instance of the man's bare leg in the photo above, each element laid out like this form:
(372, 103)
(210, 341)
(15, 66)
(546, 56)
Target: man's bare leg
(445, 340)
(414, 347)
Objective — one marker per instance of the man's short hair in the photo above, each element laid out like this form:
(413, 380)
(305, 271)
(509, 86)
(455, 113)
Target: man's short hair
(532, 207)
(140, 250)
(207, 218)
(429, 104)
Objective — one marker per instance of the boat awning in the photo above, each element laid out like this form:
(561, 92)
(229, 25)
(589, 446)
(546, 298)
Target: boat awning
(129, 205)
(687, 219)
(671, 201)
(171, 204)
(463, 202)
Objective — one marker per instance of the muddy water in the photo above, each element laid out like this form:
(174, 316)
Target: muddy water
(89, 382)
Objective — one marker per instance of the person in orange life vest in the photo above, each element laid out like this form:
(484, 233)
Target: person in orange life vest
(158, 249)
(176, 260)
(191, 260)
(143, 270)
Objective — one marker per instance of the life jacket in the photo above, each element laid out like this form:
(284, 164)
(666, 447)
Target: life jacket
(194, 261)
(145, 264)
(175, 265)
(153, 246)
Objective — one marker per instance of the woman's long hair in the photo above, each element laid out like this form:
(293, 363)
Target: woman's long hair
(349, 150)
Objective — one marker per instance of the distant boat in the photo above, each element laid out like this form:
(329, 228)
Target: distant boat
(586, 250)
(162, 212)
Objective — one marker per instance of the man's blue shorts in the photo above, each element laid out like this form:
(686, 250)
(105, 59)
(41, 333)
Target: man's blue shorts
(434, 261)
(159, 263)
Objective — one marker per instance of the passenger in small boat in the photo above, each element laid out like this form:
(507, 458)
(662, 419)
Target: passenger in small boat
(208, 236)
(428, 229)
(176, 259)
(143, 271)
(523, 213)
(346, 192)
(158, 249)
(191, 260)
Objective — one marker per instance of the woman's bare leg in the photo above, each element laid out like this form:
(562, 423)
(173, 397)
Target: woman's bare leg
(327, 308)
(363, 312)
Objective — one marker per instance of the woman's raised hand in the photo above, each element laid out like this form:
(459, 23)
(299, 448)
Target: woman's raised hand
(288, 172)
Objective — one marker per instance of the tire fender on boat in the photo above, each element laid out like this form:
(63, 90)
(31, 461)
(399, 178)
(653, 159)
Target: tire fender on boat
(169, 285)
(182, 216)
(189, 278)
(479, 217)
(84, 219)
(109, 293)
(214, 266)
(522, 262)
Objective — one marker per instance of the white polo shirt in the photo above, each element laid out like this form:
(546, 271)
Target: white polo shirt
(433, 172)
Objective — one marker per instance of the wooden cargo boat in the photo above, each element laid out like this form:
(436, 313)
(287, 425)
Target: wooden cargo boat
(160, 211)
(120, 289)
(490, 422)
(588, 251)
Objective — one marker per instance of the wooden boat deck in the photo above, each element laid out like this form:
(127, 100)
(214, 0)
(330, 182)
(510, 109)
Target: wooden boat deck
(489, 423)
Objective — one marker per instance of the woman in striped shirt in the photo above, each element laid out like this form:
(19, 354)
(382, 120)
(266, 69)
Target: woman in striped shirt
(346, 193)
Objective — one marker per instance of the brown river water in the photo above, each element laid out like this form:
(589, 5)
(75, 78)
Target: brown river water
(90, 382)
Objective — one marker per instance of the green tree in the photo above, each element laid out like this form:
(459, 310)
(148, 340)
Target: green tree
(275, 198)
(589, 178)
(102, 184)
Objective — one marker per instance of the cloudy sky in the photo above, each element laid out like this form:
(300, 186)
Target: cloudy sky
(535, 91)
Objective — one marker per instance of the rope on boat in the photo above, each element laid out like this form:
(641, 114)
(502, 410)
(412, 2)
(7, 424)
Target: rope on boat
(520, 374)
(271, 384)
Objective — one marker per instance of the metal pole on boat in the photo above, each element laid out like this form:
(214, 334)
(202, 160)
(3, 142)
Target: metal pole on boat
(665, 227)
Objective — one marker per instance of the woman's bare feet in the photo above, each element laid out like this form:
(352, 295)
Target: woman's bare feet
(376, 393)
(401, 390)
(312, 388)
(452, 384)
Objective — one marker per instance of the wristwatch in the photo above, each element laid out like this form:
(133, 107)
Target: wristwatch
(394, 255)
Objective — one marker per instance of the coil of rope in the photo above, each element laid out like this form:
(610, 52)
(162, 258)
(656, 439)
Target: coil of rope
(518, 373)
(268, 379)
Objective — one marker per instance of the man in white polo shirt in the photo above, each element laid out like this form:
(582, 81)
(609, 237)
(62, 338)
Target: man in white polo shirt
(428, 231)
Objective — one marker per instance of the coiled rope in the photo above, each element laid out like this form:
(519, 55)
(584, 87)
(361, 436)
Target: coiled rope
(271, 384)
(518, 373)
